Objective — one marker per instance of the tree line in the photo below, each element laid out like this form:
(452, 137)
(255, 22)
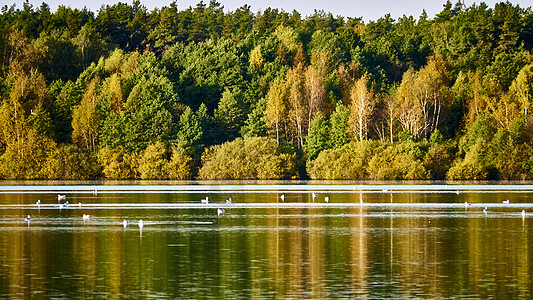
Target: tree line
(200, 93)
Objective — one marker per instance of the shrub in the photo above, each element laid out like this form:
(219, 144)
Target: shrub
(398, 162)
(471, 167)
(180, 165)
(152, 162)
(72, 163)
(346, 163)
(117, 163)
(248, 158)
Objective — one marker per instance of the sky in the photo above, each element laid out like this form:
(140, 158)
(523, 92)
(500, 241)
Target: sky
(368, 10)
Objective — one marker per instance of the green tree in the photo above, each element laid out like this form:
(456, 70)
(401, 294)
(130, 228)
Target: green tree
(318, 138)
(230, 113)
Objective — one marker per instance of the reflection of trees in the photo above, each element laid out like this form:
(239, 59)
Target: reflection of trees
(357, 252)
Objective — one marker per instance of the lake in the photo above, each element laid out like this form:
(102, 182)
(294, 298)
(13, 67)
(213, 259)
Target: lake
(280, 241)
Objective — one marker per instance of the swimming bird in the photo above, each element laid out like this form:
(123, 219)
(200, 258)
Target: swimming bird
(66, 203)
(125, 223)
(141, 224)
(61, 197)
(314, 196)
(457, 192)
(205, 201)
(282, 198)
(505, 201)
(38, 203)
(220, 211)
(467, 204)
(523, 213)
(485, 210)
(27, 219)
(85, 217)
(326, 199)
(95, 192)
(79, 204)
(228, 201)
(61, 206)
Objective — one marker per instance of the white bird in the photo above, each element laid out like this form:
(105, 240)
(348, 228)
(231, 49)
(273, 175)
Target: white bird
(220, 211)
(61, 197)
(314, 196)
(38, 203)
(66, 204)
(205, 201)
(85, 217)
(467, 204)
(282, 198)
(95, 192)
(125, 223)
(326, 199)
(505, 201)
(79, 204)
(361, 200)
(141, 224)
(61, 206)
(523, 213)
(228, 201)
(32, 113)
(457, 192)
(485, 210)
(27, 219)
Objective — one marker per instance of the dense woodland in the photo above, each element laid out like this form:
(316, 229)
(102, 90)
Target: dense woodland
(200, 93)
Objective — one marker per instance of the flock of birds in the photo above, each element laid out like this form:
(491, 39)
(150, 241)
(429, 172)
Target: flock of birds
(126, 223)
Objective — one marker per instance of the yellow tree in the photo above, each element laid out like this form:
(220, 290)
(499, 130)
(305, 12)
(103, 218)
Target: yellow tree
(25, 150)
(407, 111)
(477, 100)
(315, 90)
(362, 106)
(522, 88)
(85, 119)
(431, 92)
(347, 76)
(276, 108)
(505, 111)
(295, 85)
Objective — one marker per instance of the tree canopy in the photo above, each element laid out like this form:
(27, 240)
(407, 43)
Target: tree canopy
(200, 92)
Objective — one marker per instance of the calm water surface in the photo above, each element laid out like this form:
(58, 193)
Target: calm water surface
(372, 241)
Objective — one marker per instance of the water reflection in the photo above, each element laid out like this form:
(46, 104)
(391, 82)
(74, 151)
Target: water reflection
(393, 245)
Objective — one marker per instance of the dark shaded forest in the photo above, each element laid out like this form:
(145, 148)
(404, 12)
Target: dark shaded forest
(200, 93)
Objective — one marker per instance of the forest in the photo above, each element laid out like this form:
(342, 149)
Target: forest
(204, 93)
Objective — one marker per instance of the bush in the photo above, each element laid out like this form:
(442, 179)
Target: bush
(472, 166)
(349, 162)
(152, 162)
(248, 158)
(438, 160)
(180, 165)
(117, 163)
(400, 161)
(72, 163)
